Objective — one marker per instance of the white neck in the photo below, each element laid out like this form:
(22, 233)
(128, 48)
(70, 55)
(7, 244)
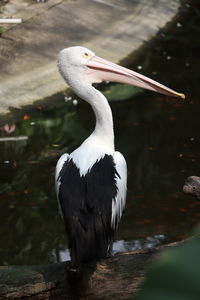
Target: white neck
(104, 122)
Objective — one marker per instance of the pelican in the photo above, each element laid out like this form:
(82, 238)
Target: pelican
(91, 181)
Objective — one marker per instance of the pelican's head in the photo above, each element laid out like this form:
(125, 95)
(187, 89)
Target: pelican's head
(79, 64)
(72, 61)
(74, 56)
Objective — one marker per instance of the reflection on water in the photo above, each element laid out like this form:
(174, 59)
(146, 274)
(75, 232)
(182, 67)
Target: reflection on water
(139, 244)
(158, 135)
(119, 246)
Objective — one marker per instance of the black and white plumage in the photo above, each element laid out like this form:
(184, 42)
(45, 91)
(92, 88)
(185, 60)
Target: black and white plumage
(91, 199)
(87, 204)
(91, 181)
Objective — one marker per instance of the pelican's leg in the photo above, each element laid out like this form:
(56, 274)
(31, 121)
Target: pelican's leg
(110, 250)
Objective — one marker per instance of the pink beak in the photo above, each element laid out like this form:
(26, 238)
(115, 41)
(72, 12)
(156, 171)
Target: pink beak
(99, 70)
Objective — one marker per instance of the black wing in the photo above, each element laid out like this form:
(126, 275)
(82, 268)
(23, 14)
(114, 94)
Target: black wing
(86, 204)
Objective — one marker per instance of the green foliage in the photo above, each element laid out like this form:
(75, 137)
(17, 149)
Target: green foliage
(1, 30)
(122, 92)
(175, 275)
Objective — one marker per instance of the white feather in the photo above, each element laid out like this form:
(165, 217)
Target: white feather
(118, 204)
(90, 152)
(59, 166)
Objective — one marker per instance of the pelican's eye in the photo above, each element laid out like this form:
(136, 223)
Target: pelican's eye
(86, 55)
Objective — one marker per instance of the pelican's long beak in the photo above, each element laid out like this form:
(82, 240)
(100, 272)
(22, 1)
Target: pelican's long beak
(99, 70)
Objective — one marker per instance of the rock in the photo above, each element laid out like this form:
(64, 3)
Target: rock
(117, 277)
(192, 187)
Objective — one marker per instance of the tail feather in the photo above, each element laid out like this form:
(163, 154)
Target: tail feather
(88, 242)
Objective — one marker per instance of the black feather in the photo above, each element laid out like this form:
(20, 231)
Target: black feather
(86, 203)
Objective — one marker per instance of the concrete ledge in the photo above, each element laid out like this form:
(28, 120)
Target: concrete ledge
(110, 28)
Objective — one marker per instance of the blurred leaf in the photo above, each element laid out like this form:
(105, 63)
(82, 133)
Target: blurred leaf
(1, 30)
(121, 92)
(175, 275)
(26, 117)
(9, 128)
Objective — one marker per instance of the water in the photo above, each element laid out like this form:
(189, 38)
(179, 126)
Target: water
(118, 246)
(158, 135)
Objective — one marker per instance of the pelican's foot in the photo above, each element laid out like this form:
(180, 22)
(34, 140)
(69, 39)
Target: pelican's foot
(110, 254)
(73, 273)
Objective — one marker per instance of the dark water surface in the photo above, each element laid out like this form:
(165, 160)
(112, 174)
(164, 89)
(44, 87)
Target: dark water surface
(158, 135)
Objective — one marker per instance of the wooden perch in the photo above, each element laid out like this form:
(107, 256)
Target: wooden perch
(117, 277)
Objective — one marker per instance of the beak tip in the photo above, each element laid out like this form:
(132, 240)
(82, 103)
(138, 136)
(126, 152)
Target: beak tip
(182, 96)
